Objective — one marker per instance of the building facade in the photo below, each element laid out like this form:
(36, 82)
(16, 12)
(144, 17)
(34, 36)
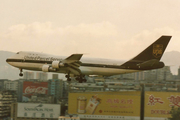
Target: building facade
(28, 75)
(11, 85)
(42, 76)
(57, 87)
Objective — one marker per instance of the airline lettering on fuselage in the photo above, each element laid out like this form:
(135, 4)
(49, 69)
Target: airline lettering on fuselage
(41, 58)
(157, 50)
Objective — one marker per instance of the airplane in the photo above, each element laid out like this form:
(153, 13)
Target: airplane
(80, 67)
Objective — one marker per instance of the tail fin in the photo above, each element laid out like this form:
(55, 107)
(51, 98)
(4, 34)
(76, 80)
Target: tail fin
(151, 54)
(155, 50)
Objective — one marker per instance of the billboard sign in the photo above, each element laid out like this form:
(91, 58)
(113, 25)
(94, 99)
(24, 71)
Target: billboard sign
(105, 103)
(38, 110)
(29, 88)
(159, 104)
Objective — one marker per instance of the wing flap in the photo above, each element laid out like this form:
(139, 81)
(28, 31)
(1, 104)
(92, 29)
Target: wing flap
(73, 63)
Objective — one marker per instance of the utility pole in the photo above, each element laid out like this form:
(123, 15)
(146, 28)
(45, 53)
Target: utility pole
(142, 103)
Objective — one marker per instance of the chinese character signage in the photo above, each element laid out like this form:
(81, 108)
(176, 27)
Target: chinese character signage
(105, 103)
(159, 104)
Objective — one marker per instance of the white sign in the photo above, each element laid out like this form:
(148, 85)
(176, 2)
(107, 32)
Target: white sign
(38, 110)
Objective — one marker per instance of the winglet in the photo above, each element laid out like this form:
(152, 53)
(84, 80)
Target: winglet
(74, 57)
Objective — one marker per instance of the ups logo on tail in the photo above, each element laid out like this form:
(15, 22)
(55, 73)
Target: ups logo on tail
(157, 50)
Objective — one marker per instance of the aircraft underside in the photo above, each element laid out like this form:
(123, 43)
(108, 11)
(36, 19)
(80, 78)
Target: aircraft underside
(81, 77)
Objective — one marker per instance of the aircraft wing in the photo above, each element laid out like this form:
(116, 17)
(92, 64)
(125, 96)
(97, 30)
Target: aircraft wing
(73, 63)
(73, 58)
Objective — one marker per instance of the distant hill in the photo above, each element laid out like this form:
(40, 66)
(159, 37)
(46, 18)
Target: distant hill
(8, 72)
(172, 59)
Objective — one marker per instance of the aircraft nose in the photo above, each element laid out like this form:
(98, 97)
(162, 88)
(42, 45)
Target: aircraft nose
(8, 60)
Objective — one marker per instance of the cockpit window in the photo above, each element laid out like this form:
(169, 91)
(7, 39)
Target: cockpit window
(17, 53)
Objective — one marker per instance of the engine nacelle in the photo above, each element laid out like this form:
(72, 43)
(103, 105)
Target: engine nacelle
(57, 64)
(47, 68)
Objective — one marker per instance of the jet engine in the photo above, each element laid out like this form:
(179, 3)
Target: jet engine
(57, 64)
(47, 68)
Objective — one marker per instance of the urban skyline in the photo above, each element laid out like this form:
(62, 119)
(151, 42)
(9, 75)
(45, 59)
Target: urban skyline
(118, 29)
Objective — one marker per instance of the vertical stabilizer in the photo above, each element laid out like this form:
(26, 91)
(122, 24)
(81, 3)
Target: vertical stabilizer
(151, 55)
(155, 50)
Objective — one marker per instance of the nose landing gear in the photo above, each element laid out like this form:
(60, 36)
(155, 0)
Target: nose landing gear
(21, 73)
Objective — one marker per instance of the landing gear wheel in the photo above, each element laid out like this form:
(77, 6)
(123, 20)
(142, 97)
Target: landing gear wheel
(81, 79)
(77, 78)
(68, 78)
(84, 80)
(20, 74)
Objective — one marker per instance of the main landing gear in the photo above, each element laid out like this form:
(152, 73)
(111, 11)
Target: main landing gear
(80, 79)
(21, 73)
(68, 77)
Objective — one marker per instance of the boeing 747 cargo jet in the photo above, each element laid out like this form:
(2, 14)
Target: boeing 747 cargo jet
(78, 66)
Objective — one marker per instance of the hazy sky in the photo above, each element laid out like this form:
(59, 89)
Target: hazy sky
(117, 29)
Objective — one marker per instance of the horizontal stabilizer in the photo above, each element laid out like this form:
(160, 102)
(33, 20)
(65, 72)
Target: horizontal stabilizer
(151, 63)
